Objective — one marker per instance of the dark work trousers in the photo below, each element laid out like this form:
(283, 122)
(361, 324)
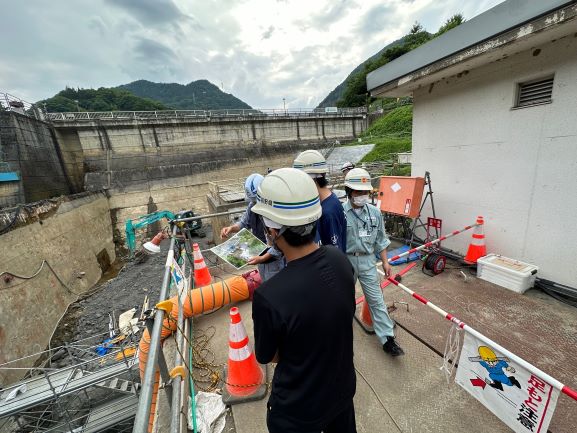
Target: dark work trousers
(344, 422)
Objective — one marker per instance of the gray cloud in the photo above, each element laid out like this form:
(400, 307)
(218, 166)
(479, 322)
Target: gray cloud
(111, 42)
(335, 12)
(150, 50)
(377, 19)
(268, 33)
(150, 12)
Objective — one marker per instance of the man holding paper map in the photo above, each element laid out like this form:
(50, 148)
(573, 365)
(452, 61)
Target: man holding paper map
(272, 260)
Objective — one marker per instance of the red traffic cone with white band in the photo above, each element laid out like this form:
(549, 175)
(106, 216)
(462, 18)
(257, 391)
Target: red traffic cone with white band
(201, 274)
(363, 317)
(244, 377)
(477, 247)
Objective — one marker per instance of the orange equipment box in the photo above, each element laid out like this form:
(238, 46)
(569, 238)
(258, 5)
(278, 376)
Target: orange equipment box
(401, 195)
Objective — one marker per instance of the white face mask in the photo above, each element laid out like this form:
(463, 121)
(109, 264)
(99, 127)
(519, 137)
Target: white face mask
(361, 200)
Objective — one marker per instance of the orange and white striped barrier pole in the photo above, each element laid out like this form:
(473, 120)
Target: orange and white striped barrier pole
(530, 367)
(436, 241)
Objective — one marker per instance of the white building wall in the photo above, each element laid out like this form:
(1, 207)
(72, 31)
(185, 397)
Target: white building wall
(516, 167)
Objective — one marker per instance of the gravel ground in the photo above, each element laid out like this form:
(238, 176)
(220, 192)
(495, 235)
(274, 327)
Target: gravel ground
(122, 288)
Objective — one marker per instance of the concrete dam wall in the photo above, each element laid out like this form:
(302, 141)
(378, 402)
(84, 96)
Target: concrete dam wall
(119, 153)
(70, 155)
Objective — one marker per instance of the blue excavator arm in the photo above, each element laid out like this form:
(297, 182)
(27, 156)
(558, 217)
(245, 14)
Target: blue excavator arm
(133, 225)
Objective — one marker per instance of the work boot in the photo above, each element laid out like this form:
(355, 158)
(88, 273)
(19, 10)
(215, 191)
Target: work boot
(392, 348)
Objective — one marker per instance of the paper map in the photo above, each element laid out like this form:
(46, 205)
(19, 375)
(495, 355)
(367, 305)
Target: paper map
(238, 250)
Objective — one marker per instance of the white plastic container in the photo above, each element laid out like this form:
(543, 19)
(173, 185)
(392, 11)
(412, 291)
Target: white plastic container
(509, 273)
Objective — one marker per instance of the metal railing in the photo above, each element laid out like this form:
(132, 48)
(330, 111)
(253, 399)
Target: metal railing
(14, 104)
(202, 114)
(67, 383)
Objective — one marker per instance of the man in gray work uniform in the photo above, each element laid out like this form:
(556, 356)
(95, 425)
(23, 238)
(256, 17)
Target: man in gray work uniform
(366, 238)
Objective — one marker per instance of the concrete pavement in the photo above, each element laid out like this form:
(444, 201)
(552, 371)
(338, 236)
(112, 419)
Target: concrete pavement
(414, 393)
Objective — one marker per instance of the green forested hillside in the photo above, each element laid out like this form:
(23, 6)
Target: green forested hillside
(102, 99)
(197, 95)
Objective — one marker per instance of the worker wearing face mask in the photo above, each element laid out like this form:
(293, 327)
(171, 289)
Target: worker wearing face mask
(272, 260)
(366, 238)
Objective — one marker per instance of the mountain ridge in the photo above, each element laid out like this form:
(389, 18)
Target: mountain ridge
(196, 95)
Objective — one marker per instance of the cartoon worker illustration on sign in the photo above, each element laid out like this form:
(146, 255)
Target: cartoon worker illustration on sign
(496, 367)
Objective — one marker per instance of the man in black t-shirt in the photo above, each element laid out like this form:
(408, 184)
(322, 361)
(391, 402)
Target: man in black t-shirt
(303, 315)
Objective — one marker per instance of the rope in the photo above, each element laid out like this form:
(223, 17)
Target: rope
(379, 399)
(209, 370)
(44, 262)
(452, 348)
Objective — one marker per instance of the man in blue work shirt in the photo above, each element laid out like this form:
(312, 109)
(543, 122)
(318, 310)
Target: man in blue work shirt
(272, 260)
(366, 238)
(331, 229)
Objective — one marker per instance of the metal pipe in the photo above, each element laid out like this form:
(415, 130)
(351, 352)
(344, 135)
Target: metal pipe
(177, 381)
(210, 215)
(145, 400)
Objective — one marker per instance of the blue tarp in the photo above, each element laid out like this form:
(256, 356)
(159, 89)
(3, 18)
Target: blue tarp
(10, 176)
(410, 258)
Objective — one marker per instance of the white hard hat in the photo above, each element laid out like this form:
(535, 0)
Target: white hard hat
(347, 166)
(251, 185)
(289, 197)
(311, 162)
(359, 179)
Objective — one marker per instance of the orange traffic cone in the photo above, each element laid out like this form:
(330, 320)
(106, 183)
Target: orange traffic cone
(153, 246)
(201, 274)
(363, 317)
(477, 246)
(244, 378)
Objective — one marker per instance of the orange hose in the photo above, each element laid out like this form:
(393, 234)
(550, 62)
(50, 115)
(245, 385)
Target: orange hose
(197, 301)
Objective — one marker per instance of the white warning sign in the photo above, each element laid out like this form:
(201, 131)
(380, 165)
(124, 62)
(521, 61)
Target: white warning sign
(520, 399)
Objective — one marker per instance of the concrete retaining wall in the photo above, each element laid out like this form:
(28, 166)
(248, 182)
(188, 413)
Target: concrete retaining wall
(76, 242)
(29, 146)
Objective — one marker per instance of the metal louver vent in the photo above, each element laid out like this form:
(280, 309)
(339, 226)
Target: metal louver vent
(535, 92)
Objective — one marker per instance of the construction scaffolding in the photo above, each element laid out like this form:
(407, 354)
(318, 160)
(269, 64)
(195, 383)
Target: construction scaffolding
(90, 385)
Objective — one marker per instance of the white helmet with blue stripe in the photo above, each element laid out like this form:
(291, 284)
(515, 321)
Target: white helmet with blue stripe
(311, 162)
(359, 179)
(288, 197)
(251, 185)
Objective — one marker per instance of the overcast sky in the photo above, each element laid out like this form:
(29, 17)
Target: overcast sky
(259, 50)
